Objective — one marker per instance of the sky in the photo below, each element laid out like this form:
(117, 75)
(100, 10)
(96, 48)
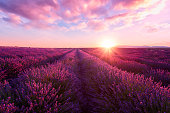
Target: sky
(84, 23)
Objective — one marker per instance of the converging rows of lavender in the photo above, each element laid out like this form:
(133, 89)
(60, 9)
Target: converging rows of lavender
(36, 80)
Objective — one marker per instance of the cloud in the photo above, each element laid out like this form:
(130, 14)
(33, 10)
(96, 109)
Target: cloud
(150, 27)
(32, 9)
(96, 25)
(117, 18)
(49, 13)
(80, 26)
(132, 4)
(12, 18)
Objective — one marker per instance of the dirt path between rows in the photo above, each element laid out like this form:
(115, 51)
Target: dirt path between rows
(86, 104)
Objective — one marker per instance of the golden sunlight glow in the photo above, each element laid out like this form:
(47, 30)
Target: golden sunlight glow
(108, 44)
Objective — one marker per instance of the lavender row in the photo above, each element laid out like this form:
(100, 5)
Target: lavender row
(45, 89)
(156, 58)
(108, 56)
(159, 75)
(158, 68)
(11, 67)
(20, 52)
(113, 90)
(155, 54)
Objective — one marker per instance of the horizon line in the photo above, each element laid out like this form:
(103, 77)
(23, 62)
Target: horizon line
(120, 46)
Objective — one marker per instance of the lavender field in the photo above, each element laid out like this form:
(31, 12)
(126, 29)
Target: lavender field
(85, 80)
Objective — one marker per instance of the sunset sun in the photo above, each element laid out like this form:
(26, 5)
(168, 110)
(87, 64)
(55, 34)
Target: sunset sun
(107, 44)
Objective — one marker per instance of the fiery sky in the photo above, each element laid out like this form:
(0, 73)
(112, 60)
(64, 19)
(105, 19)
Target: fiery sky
(84, 23)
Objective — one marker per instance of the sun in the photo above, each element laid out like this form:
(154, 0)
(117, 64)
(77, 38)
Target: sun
(107, 44)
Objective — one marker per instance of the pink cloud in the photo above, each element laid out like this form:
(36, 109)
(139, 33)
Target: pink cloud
(96, 25)
(115, 17)
(156, 27)
(33, 9)
(151, 29)
(12, 18)
(80, 26)
(50, 12)
(37, 11)
(132, 4)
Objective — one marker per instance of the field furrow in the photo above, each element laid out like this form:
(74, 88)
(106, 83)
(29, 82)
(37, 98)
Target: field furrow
(83, 76)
